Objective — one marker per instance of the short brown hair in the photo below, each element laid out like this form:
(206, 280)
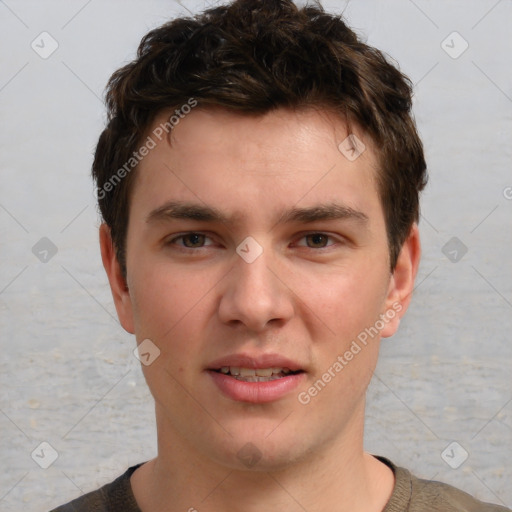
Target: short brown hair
(253, 56)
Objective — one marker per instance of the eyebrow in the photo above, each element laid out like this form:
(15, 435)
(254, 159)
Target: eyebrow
(175, 210)
(331, 211)
(188, 211)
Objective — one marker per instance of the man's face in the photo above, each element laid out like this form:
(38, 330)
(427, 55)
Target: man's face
(319, 282)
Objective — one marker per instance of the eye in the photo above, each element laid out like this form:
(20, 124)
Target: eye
(190, 240)
(317, 240)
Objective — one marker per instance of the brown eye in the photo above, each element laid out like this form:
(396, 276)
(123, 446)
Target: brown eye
(193, 240)
(317, 240)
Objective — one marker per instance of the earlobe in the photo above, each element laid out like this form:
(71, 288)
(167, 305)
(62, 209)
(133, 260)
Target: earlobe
(120, 292)
(401, 283)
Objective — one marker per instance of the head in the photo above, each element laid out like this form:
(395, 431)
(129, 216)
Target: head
(253, 57)
(234, 124)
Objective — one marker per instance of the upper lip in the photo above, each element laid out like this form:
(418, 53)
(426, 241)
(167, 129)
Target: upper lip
(259, 361)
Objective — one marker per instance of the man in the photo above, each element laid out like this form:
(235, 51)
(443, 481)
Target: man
(258, 180)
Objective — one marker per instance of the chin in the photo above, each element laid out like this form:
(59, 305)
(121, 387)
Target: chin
(258, 453)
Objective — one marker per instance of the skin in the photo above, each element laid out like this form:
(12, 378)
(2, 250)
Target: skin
(305, 298)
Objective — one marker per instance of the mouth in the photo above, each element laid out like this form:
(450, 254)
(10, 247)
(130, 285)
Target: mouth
(261, 379)
(257, 374)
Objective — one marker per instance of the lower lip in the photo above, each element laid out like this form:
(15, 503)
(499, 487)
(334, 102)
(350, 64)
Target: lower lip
(255, 392)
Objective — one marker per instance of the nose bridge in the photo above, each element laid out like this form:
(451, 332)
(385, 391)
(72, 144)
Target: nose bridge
(255, 275)
(254, 295)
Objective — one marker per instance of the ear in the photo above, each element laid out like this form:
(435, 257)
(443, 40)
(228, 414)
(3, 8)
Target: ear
(120, 292)
(401, 283)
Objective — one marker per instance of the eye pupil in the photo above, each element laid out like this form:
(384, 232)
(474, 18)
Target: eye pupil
(194, 238)
(318, 239)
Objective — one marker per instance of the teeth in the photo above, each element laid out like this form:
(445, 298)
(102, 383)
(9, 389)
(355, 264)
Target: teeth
(264, 372)
(252, 374)
(257, 379)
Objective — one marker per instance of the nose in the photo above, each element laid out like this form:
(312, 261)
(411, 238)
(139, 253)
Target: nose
(255, 295)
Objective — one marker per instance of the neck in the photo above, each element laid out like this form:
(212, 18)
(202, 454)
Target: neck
(338, 476)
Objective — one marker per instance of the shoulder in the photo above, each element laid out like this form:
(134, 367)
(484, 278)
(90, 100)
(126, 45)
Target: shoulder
(414, 494)
(116, 495)
(441, 496)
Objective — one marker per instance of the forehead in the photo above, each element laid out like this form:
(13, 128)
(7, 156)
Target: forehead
(256, 136)
(241, 162)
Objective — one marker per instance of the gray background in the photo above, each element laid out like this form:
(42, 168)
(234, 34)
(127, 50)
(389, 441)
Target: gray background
(68, 376)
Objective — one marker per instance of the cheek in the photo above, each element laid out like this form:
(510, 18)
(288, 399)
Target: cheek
(168, 307)
(345, 348)
(163, 297)
(172, 308)
(343, 301)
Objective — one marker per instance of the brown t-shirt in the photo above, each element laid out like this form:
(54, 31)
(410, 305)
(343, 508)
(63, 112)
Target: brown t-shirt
(410, 494)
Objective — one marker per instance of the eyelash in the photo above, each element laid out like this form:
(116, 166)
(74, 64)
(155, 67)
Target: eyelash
(173, 240)
(188, 249)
